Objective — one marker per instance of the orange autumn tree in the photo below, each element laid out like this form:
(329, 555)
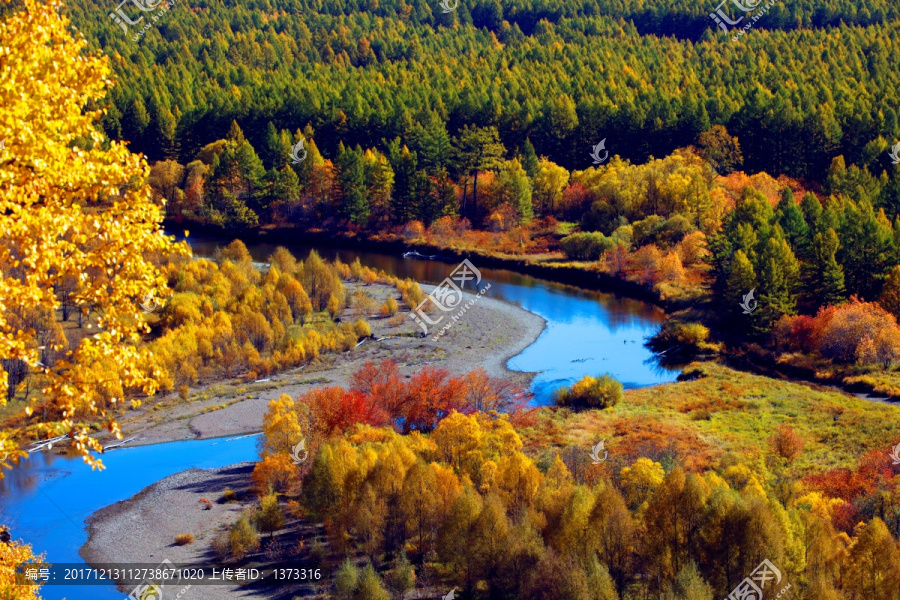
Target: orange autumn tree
(79, 233)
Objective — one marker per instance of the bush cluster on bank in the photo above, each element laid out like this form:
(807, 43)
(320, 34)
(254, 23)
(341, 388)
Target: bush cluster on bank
(591, 392)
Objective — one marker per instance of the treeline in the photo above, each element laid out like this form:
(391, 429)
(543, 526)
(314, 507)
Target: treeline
(563, 77)
(804, 255)
(465, 507)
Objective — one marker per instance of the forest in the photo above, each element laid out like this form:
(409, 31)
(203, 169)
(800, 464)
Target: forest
(560, 75)
(461, 501)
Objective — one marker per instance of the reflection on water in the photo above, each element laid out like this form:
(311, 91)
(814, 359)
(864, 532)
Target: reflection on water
(588, 332)
(46, 499)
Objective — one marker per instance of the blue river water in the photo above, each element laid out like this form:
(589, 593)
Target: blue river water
(46, 499)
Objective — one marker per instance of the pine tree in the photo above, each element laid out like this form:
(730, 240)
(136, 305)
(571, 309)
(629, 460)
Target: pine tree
(741, 280)
(812, 212)
(379, 177)
(515, 189)
(826, 286)
(285, 189)
(351, 180)
(433, 145)
(478, 149)
(790, 218)
(867, 245)
(404, 196)
(529, 159)
(890, 293)
(277, 148)
(779, 277)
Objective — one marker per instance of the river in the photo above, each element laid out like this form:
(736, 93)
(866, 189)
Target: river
(46, 499)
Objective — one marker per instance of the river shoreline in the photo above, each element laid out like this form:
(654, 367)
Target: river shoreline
(141, 529)
(559, 273)
(488, 336)
(566, 274)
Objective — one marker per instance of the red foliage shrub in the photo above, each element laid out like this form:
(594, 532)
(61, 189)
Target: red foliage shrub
(845, 517)
(379, 396)
(853, 331)
(335, 409)
(576, 200)
(874, 473)
(786, 443)
(796, 333)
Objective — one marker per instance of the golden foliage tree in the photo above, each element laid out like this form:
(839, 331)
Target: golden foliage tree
(11, 555)
(74, 210)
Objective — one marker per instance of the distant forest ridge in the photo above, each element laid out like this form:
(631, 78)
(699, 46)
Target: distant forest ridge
(810, 81)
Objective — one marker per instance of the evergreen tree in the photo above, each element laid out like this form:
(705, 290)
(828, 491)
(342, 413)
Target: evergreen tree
(285, 189)
(778, 277)
(445, 194)
(826, 286)
(812, 212)
(424, 207)
(890, 293)
(277, 148)
(477, 149)
(352, 183)
(404, 196)
(741, 280)
(515, 189)
(379, 178)
(529, 159)
(866, 247)
(789, 216)
(433, 145)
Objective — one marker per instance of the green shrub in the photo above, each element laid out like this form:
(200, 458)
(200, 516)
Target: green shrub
(657, 230)
(346, 580)
(591, 392)
(586, 246)
(243, 538)
(269, 517)
(370, 586)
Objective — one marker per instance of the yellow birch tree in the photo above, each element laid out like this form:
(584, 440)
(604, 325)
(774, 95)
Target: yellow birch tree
(75, 212)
